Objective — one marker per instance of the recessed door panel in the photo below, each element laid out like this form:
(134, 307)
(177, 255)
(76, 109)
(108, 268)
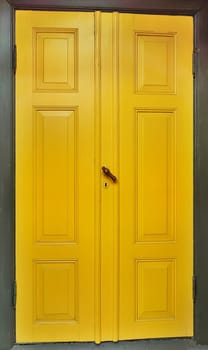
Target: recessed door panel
(155, 172)
(55, 153)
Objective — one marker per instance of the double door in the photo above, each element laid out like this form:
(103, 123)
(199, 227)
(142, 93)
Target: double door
(99, 259)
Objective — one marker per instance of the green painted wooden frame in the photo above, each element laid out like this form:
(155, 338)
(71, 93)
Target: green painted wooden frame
(196, 8)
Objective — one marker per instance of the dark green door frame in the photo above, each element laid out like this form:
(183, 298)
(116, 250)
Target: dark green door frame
(7, 314)
(196, 8)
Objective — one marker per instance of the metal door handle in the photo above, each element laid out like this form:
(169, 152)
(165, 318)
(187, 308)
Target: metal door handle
(108, 173)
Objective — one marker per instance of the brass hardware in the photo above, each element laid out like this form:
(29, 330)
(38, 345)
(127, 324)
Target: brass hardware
(108, 173)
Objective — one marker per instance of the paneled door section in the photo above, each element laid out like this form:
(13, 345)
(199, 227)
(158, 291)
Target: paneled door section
(55, 176)
(98, 260)
(156, 176)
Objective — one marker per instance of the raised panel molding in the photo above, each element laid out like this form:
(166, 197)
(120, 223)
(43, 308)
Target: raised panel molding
(55, 163)
(56, 291)
(55, 59)
(155, 175)
(155, 289)
(160, 77)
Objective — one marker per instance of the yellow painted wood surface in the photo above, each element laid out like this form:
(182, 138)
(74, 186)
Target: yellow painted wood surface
(55, 176)
(99, 261)
(156, 176)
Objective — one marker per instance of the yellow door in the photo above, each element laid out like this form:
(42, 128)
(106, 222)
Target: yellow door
(156, 196)
(98, 260)
(55, 177)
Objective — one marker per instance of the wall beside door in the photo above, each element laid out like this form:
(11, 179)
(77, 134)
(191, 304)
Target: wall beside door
(7, 333)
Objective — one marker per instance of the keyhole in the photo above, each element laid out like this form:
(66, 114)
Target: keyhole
(106, 185)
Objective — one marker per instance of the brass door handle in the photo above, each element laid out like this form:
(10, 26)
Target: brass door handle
(108, 173)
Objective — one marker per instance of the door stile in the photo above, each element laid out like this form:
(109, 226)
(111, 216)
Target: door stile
(109, 190)
(97, 247)
(115, 19)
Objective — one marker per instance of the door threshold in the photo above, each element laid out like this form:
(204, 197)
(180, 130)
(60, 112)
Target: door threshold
(149, 344)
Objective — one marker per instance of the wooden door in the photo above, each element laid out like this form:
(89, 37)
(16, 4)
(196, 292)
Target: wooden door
(156, 176)
(98, 260)
(55, 177)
